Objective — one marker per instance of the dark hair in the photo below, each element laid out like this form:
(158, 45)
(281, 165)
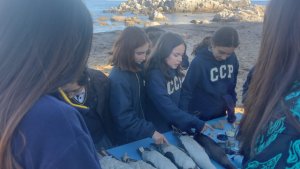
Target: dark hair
(154, 33)
(123, 49)
(84, 78)
(223, 37)
(162, 50)
(276, 69)
(43, 45)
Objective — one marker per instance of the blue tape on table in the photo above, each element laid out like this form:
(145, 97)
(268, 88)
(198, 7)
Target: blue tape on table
(131, 149)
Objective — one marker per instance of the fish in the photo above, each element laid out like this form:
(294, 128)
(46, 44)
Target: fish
(136, 164)
(156, 159)
(107, 161)
(196, 152)
(177, 156)
(214, 151)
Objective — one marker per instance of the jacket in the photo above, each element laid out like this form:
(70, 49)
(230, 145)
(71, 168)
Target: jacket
(127, 96)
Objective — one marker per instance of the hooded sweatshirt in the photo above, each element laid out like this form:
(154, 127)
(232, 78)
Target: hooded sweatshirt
(209, 85)
(163, 100)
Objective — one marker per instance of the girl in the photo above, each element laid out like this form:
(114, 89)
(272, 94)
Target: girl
(44, 45)
(269, 134)
(209, 86)
(127, 87)
(164, 78)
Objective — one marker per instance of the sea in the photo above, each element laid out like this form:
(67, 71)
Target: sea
(97, 7)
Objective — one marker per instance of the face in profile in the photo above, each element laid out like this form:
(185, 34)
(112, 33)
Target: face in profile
(140, 53)
(175, 58)
(222, 53)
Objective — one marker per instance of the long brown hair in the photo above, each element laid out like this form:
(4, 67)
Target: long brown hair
(162, 50)
(43, 45)
(123, 50)
(276, 69)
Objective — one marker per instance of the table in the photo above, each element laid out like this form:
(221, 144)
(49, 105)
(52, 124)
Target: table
(131, 148)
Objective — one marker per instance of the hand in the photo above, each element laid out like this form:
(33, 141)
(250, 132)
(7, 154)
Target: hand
(207, 126)
(231, 118)
(159, 138)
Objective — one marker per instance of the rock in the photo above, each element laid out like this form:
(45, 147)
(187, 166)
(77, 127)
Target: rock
(200, 21)
(157, 16)
(247, 14)
(129, 23)
(101, 23)
(134, 20)
(118, 18)
(149, 6)
(147, 24)
(102, 18)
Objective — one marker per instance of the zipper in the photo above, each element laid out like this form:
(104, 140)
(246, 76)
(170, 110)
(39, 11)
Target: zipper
(136, 75)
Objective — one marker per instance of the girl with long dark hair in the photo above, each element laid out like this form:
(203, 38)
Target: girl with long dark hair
(43, 46)
(127, 93)
(163, 85)
(269, 134)
(209, 87)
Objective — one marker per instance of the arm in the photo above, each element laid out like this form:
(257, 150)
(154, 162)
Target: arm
(190, 82)
(231, 97)
(157, 92)
(123, 112)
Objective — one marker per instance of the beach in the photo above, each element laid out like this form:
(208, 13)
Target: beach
(247, 52)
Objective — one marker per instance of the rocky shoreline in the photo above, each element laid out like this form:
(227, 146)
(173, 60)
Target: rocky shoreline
(225, 11)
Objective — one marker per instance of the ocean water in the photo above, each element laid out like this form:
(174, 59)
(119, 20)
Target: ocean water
(96, 8)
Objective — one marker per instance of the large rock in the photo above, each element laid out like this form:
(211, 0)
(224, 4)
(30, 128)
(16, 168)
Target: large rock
(157, 16)
(247, 14)
(148, 6)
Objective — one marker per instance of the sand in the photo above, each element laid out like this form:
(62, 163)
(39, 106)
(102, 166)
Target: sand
(247, 52)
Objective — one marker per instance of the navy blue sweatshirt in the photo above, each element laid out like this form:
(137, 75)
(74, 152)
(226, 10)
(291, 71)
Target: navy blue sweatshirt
(127, 96)
(208, 83)
(55, 137)
(163, 100)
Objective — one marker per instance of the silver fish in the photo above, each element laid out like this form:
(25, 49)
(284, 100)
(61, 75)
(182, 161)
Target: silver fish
(109, 162)
(136, 164)
(181, 159)
(196, 152)
(157, 159)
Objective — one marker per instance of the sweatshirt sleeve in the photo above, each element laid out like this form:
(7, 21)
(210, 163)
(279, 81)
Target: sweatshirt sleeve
(189, 84)
(157, 92)
(126, 118)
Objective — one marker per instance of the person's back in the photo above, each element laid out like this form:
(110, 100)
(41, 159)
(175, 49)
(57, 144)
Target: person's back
(53, 129)
(44, 46)
(269, 132)
(280, 131)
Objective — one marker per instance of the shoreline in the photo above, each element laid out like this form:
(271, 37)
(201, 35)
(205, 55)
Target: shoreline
(247, 53)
